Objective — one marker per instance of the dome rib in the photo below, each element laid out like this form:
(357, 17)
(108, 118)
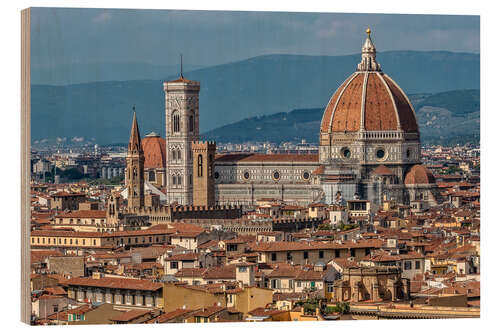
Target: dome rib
(330, 109)
(363, 102)
(406, 113)
(347, 113)
(381, 78)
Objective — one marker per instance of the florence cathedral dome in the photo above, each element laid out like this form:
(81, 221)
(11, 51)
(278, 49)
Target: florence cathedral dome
(369, 100)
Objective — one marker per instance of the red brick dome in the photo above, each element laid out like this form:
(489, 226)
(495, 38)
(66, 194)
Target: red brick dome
(419, 174)
(369, 100)
(154, 151)
(382, 170)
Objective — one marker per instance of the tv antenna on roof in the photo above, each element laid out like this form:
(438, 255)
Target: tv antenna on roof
(181, 68)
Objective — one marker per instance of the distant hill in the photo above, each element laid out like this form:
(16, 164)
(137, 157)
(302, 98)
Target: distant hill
(97, 72)
(231, 92)
(447, 117)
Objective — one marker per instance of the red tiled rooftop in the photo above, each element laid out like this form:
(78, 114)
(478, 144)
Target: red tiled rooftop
(382, 170)
(419, 174)
(209, 311)
(299, 158)
(154, 152)
(129, 315)
(297, 246)
(374, 96)
(67, 194)
(97, 214)
(183, 257)
(115, 283)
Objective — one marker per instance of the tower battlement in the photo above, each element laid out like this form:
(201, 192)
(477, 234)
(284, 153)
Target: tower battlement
(203, 145)
(164, 214)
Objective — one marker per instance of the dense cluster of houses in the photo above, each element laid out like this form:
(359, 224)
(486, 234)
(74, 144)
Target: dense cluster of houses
(86, 268)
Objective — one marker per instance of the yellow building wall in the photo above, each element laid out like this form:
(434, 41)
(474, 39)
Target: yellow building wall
(251, 298)
(175, 297)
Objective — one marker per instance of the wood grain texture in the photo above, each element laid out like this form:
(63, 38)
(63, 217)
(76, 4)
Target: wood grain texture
(25, 165)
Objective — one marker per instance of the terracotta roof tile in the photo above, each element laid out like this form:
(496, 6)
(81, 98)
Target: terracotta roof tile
(419, 174)
(98, 214)
(384, 105)
(299, 158)
(129, 315)
(116, 283)
(154, 148)
(165, 317)
(298, 246)
(191, 256)
(382, 170)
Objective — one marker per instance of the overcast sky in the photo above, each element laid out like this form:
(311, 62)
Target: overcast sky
(69, 36)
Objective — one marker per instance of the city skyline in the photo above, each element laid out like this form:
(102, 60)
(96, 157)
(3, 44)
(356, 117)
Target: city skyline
(313, 197)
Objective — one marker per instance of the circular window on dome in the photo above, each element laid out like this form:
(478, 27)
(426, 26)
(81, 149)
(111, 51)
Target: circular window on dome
(276, 175)
(216, 175)
(346, 152)
(246, 175)
(380, 153)
(306, 175)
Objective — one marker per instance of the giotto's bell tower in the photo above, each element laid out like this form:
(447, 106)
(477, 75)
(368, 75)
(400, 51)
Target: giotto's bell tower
(182, 128)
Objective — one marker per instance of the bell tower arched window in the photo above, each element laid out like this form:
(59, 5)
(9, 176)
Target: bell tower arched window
(200, 165)
(210, 163)
(191, 122)
(176, 122)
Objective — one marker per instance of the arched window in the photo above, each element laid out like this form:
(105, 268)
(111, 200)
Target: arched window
(176, 122)
(210, 162)
(200, 165)
(174, 180)
(191, 122)
(135, 173)
(179, 180)
(151, 177)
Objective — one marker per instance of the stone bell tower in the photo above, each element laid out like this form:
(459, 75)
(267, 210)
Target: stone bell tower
(182, 128)
(135, 169)
(203, 173)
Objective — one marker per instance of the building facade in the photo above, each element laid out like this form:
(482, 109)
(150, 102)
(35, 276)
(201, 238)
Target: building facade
(369, 149)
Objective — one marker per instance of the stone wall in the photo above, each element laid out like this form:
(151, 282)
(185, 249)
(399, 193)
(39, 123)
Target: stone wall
(71, 265)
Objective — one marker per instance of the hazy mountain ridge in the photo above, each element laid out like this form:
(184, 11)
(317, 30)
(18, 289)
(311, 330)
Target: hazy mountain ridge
(68, 74)
(231, 92)
(459, 123)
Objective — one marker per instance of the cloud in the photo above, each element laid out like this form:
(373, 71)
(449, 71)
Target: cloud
(441, 35)
(102, 17)
(326, 29)
(77, 139)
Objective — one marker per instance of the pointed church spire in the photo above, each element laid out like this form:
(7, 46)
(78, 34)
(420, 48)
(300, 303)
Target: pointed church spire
(134, 143)
(368, 55)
